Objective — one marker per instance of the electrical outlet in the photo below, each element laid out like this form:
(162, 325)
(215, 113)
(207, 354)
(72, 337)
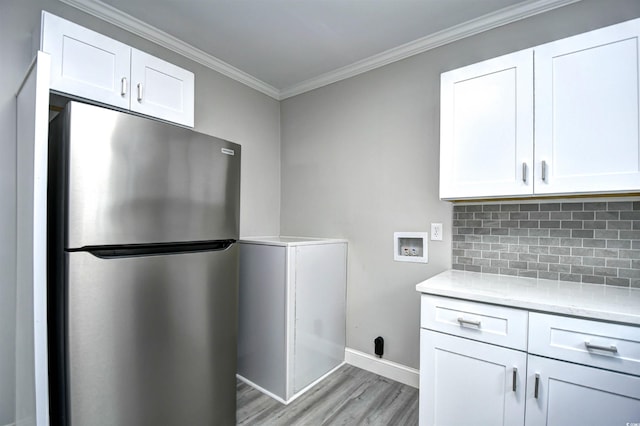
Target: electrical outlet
(436, 232)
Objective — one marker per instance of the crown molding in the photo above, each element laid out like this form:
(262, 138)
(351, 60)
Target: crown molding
(475, 26)
(133, 25)
(449, 35)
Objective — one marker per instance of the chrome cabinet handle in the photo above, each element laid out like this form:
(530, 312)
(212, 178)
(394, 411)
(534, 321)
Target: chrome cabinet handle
(464, 322)
(139, 92)
(613, 349)
(536, 389)
(544, 171)
(123, 86)
(515, 377)
(524, 172)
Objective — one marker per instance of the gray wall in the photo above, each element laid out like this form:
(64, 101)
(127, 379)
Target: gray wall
(360, 160)
(224, 108)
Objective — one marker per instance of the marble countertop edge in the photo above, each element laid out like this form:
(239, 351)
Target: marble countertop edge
(289, 241)
(592, 301)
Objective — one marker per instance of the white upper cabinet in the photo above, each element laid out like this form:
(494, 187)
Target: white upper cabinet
(585, 109)
(95, 67)
(486, 146)
(587, 112)
(85, 63)
(161, 89)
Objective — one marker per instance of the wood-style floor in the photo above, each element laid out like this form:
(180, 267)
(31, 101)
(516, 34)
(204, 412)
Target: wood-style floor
(349, 396)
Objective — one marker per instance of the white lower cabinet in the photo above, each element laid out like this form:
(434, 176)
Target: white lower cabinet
(292, 312)
(594, 379)
(576, 394)
(467, 382)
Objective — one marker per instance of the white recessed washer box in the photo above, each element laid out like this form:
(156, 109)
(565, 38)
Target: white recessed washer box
(410, 247)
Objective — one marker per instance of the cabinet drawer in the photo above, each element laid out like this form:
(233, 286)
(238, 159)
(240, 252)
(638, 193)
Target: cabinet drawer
(488, 323)
(599, 344)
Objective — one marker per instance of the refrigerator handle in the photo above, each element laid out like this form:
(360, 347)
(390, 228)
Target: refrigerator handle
(157, 249)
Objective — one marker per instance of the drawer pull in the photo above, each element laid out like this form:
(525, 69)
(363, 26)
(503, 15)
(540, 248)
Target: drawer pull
(613, 349)
(515, 377)
(463, 322)
(536, 389)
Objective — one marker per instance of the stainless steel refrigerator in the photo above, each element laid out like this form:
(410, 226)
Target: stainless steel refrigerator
(143, 271)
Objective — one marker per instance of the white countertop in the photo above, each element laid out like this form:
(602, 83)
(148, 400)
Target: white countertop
(289, 241)
(595, 301)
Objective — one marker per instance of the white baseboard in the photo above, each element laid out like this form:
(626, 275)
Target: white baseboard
(295, 395)
(261, 389)
(315, 382)
(389, 369)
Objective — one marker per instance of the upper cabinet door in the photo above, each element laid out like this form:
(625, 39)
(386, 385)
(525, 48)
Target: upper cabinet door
(95, 67)
(587, 112)
(161, 89)
(85, 63)
(486, 141)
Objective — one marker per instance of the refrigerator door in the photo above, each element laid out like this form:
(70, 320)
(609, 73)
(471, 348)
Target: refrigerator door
(152, 340)
(131, 180)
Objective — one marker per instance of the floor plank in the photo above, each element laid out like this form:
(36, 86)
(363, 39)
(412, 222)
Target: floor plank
(349, 396)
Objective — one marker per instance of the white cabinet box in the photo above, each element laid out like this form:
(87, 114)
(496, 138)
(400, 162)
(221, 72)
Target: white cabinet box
(570, 393)
(569, 370)
(468, 382)
(292, 310)
(497, 325)
(95, 67)
(486, 130)
(582, 93)
(610, 346)
(587, 112)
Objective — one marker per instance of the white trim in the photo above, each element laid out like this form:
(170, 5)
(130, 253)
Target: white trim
(290, 317)
(389, 369)
(315, 382)
(133, 25)
(449, 35)
(556, 199)
(297, 394)
(261, 389)
(33, 63)
(466, 29)
(475, 26)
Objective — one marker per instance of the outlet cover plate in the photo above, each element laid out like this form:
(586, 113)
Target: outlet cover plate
(436, 232)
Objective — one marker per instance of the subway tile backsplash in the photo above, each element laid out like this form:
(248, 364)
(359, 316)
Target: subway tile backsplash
(591, 242)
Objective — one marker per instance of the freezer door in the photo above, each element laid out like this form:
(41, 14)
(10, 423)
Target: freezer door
(152, 340)
(131, 180)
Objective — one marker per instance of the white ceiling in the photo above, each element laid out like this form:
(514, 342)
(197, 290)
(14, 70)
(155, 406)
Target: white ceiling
(289, 46)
